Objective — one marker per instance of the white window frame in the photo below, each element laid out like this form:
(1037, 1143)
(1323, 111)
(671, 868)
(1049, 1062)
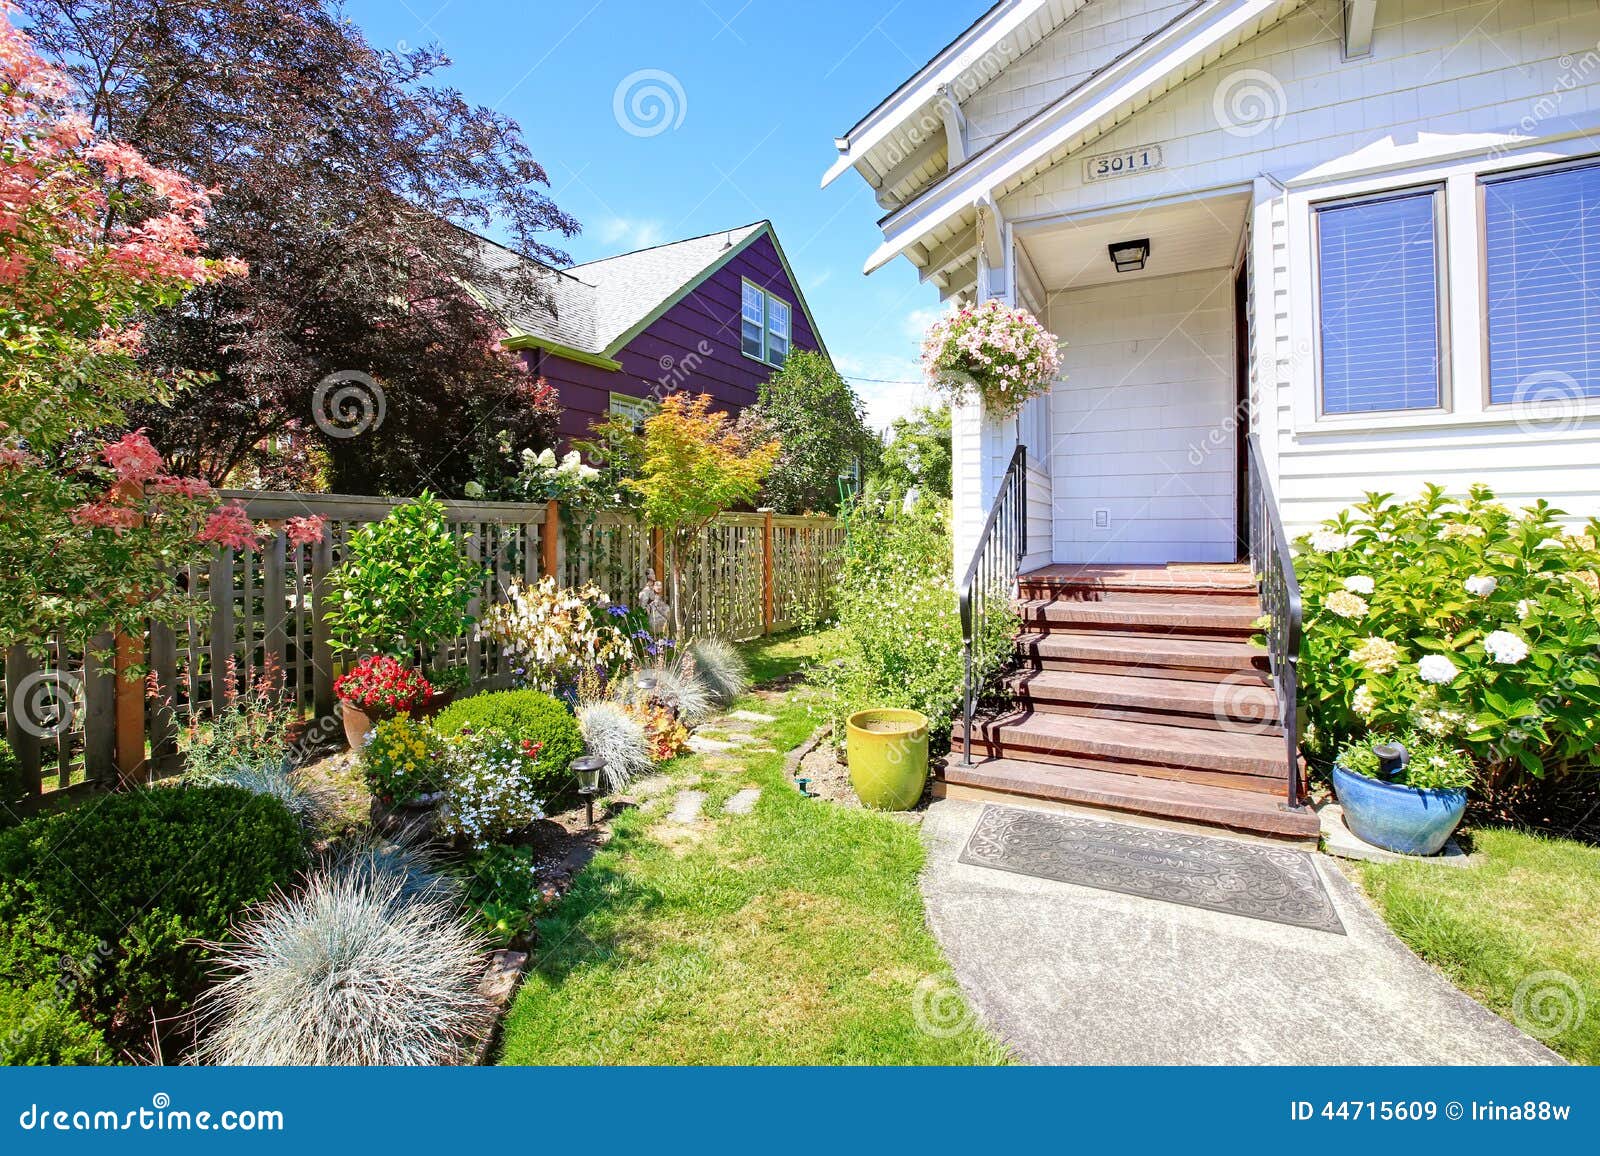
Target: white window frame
(767, 300)
(637, 408)
(1441, 278)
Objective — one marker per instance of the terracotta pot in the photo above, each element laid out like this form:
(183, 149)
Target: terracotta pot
(357, 723)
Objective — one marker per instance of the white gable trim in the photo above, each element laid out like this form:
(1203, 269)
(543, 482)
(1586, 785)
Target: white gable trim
(989, 35)
(1031, 144)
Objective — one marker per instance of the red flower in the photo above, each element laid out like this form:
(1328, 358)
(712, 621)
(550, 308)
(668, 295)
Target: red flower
(381, 683)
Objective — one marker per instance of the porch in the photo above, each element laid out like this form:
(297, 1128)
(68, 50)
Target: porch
(1138, 448)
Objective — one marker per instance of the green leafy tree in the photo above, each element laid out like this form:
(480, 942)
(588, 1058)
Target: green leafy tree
(818, 419)
(697, 462)
(404, 584)
(917, 454)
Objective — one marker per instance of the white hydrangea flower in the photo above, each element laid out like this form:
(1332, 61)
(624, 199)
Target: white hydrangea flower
(1481, 585)
(1360, 584)
(1362, 701)
(547, 459)
(1525, 608)
(1505, 648)
(1326, 541)
(1346, 605)
(1437, 669)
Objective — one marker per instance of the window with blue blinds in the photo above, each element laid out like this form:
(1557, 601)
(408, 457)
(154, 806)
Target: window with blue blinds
(1378, 300)
(1542, 248)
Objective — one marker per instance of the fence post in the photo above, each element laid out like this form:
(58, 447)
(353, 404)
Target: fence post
(550, 544)
(100, 707)
(321, 651)
(766, 572)
(129, 712)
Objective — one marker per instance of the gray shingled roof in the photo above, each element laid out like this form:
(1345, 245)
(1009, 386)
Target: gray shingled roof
(629, 286)
(589, 306)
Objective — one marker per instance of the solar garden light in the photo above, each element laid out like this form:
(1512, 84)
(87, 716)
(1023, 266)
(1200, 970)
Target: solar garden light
(588, 768)
(1392, 759)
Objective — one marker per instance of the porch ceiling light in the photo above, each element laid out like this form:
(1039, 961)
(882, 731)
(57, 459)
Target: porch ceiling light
(1129, 256)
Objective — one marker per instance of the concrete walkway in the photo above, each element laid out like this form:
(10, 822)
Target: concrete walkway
(1074, 975)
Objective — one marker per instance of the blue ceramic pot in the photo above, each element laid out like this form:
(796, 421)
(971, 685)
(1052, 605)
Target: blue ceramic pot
(1404, 819)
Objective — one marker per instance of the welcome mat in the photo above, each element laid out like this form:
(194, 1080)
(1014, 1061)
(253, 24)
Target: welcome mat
(1258, 882)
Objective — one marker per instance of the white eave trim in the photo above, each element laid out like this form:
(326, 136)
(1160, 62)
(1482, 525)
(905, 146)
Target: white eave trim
(1121, 82)
(987, 35)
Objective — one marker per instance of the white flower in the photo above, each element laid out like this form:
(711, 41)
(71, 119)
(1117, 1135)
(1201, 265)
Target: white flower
(1359, 584)
(1505, 648)
(1362, 701)
(1481, 585)
(472, 490)
(529, 457)
(548, 459)
(1327, 541)
(1346, 605)
(1525, 608)
(1437, 669)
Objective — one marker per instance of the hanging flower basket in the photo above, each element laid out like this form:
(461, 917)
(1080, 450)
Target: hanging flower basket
(997, 353)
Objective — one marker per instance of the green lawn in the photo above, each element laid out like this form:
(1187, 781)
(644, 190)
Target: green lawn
(783, 655)
(1518, 931)
(793, 935)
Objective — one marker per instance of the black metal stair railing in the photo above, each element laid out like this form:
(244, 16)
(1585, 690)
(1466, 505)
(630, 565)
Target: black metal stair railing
(991, 577)
(1273, 566)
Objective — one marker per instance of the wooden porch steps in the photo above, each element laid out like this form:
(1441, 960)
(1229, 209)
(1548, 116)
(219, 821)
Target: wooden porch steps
(1139, 690)
(1247, 812)
(1245, 704)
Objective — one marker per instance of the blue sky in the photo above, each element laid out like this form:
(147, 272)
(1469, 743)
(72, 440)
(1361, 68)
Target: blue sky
(765, 87)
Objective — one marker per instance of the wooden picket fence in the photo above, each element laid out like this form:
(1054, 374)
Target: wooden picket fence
(76, 723)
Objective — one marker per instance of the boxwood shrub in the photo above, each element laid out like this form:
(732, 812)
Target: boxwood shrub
(110, 902)
(38, 1029)
(524, 715)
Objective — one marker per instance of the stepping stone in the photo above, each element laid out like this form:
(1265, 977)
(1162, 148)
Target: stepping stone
(753, 716)
(701, 745)
(744, 802)
(686, 808)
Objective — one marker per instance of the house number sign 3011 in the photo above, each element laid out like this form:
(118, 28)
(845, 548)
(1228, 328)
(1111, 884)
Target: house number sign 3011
(1138, 160)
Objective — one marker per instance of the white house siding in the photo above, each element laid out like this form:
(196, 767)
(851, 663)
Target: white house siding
(1141, 421)
(1093, 37)
(1451, 90)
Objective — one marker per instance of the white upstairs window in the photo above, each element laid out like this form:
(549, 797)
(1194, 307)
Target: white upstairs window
(753, 321)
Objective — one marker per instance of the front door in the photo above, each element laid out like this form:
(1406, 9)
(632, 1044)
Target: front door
(1144, 462)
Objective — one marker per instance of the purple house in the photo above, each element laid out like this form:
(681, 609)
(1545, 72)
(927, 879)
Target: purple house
(714, 314)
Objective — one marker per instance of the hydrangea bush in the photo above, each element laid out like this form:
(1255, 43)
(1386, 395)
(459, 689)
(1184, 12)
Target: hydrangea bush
(1460, 619)
(995, 352)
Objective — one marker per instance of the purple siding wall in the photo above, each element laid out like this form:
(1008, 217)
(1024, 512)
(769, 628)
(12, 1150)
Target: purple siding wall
(692, 346)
